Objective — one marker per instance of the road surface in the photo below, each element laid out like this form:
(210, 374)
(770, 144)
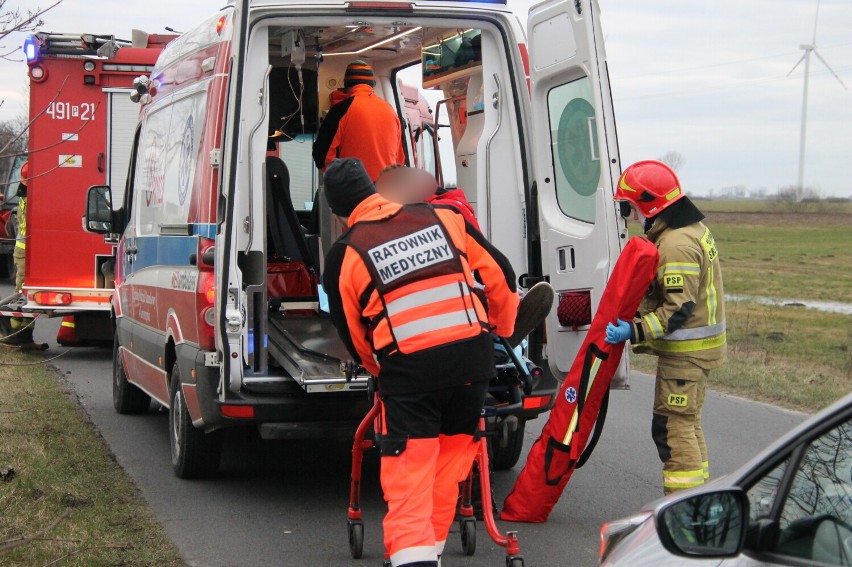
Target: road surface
(284, 503)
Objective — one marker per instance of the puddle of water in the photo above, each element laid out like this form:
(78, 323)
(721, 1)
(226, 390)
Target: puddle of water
(824, 306)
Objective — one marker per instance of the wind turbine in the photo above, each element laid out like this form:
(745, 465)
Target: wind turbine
(806, 57)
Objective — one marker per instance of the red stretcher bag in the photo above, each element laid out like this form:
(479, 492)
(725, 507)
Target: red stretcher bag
(567, 440)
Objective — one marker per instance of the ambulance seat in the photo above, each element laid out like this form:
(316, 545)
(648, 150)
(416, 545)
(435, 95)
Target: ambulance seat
(284, 229)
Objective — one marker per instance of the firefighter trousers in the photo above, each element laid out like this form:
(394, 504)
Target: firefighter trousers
(676, 425)
(427, 449)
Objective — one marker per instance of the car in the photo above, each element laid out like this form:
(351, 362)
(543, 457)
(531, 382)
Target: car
(791, 505)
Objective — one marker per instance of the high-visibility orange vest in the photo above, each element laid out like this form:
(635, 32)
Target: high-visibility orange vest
(421, 280)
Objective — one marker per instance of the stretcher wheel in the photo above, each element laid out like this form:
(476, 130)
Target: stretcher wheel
(467, 530)
(514, 561)
(356, 538)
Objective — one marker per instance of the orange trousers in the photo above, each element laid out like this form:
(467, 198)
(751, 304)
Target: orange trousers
(421, 472)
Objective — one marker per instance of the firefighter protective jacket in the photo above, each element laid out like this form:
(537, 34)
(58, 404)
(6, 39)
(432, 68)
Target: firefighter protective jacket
(683, 314)
(400, 283)
(362, 126)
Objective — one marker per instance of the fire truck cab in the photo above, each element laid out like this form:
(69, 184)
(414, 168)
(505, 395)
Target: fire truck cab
(82, 123)
(223, 229)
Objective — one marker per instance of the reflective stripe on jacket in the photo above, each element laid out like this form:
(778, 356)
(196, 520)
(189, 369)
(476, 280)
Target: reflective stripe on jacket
(684, 311)
(400, 281)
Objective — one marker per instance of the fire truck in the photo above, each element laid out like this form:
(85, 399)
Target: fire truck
(82, 124)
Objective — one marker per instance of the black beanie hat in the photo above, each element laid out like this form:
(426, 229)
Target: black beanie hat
(359, 73)
(346, 185)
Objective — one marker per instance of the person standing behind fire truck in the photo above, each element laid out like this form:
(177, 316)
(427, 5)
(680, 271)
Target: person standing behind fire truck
(681, 319)
(362, 126)
(400, 285)
(21, 327)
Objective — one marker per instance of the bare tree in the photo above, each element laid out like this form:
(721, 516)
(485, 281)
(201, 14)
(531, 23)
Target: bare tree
(673, 159)
(13, 137)
(16, 20)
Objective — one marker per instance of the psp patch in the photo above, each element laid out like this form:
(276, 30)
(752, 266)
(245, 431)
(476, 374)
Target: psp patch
(678, 400)
(673, 281)
(570, 395)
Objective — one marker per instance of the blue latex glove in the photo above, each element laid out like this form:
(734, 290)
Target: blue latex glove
(619, 332)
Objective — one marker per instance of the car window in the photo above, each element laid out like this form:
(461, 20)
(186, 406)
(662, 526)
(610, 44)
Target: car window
(762, 494)
(816, 518)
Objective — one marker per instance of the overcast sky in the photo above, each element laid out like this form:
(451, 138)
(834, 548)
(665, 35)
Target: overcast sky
(705, 79)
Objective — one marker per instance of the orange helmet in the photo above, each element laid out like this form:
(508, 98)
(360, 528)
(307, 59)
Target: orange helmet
(650, 185)
(25, 172)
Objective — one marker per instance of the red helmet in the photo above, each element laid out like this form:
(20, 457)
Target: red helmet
(25, 172)
(650, 185)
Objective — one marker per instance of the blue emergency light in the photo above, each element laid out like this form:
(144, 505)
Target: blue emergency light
(30, 49)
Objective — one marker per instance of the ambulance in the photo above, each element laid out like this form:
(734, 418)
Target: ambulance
(223, 225)
(81, 125)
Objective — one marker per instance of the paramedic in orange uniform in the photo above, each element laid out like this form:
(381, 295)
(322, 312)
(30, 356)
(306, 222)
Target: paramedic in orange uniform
(362, 126)
(399, 285)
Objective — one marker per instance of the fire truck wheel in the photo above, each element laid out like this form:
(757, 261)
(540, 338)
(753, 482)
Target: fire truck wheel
(195, 454)
(126, 398)
(504, 458)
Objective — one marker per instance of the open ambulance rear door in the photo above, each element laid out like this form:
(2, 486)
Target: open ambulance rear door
(234, 239)
(575, 167)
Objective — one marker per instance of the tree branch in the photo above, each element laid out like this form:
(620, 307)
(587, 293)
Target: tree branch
(16, 542)
(121, 546)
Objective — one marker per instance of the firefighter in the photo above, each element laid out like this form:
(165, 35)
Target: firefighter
(681, 319)
(20, 329)
(399, 283)
(362, 126)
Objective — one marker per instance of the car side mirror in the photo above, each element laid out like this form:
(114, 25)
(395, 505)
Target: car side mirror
(99, 210)
(705, 525)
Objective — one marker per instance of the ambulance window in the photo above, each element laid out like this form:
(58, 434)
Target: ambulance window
(574, 146)
(296, 154)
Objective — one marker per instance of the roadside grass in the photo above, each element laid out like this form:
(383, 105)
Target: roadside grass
(795, 357)
(795, 259)
(67, 502)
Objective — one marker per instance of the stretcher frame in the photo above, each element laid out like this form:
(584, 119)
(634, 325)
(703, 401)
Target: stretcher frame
(467, 518)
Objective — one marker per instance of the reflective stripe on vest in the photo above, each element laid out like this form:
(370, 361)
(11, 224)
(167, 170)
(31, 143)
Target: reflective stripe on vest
(423, 298)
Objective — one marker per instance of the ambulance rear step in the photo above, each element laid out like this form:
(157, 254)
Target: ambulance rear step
(310, 351)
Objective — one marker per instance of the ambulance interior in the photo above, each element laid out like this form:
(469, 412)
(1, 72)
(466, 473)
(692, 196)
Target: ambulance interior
(412, 62)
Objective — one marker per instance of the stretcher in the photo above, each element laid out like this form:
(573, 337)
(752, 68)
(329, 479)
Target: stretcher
(577, 417)
(514, 379)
